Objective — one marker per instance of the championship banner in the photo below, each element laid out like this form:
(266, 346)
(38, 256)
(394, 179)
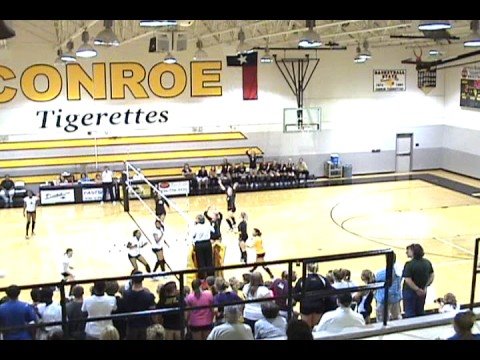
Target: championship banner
(470, 88)
(389, 80)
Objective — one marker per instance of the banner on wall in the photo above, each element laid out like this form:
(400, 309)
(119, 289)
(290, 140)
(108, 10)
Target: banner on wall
(470, 88)
(92, 194)
(63, 196)
(171, 188)
(389, 80)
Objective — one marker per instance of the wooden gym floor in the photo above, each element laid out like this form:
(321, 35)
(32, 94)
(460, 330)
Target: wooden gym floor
(295, 223)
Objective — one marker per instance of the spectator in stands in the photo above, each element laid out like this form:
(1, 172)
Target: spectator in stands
(50, 313)
(97, 305)
(232, 329)
(16, 313)
(253, 291)
(76, 330)
(302, 169)
(202, 178)
(340, 318)
(212, 177)
(418, 274)
(224, 296)
(313, 306)
(280, 288)
(394, 293)
(109, 333)
(272, 324)
(364, 298)
(84, 178)
(156, 332)
(187, 172)
(56, 334)
(347, 278)
(338, 278)
(200, 321)
(113, 289)
(138, 298)
(462, 324)
(448, 303)
(298, 330)
(169, 297)
(235, 285)
(7, 190)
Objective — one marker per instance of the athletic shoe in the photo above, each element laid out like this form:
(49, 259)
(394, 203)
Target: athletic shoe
(26, 237)
(114, 203)
(101, 202)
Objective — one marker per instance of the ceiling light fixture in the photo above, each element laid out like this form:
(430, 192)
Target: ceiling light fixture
(86, 50)
(359, 59)
(365, 53)
(200, 54)
(58, 60)
(243, 47)
(266, 58)
(474, 40)
(106, 37)
(310, 38)
(69, 56)
(157, 23)
(432, 25)
(6, 32)
(170, 59)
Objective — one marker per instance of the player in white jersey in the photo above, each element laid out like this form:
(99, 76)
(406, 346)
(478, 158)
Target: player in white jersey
(67, 268)
(30, 203)
(158, 243)
(134, 245)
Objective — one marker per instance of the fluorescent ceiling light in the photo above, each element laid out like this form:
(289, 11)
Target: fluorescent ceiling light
(432, 25)
(86, 50)
(156, 23)
(169, 59)
(106, 37)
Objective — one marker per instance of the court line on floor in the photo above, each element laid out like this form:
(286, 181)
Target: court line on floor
(454, 245)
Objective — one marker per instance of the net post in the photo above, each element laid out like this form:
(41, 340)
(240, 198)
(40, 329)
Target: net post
(124, 180)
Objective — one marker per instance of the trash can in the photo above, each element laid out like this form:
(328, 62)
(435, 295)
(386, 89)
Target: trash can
(347, 170)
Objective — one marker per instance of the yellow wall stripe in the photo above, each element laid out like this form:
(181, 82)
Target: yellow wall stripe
(112, 158)
(112, 141)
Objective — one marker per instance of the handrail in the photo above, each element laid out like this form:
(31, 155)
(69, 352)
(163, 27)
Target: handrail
(388, 253)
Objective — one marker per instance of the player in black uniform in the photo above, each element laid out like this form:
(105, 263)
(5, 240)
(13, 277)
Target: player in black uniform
(215, 217)
(160, 203)
(252, 167)
(231, 194)
(242, 237)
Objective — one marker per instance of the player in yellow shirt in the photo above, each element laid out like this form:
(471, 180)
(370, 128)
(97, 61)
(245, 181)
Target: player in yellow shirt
(257, 243)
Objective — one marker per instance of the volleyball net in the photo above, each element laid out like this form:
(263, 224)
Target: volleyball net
(177, 221)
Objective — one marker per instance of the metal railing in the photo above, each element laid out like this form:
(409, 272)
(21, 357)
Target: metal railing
(180, 274)
(475, 271)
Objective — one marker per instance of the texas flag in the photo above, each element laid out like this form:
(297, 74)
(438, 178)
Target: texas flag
(248, 62)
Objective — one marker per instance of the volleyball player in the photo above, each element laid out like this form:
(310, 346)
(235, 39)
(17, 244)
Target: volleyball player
(30, 203)
(157, 246)
(134, 245)
(231, 194)
(257, 243)
(242, 237)
(160, 203)
(252, 167)
(67, 268)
